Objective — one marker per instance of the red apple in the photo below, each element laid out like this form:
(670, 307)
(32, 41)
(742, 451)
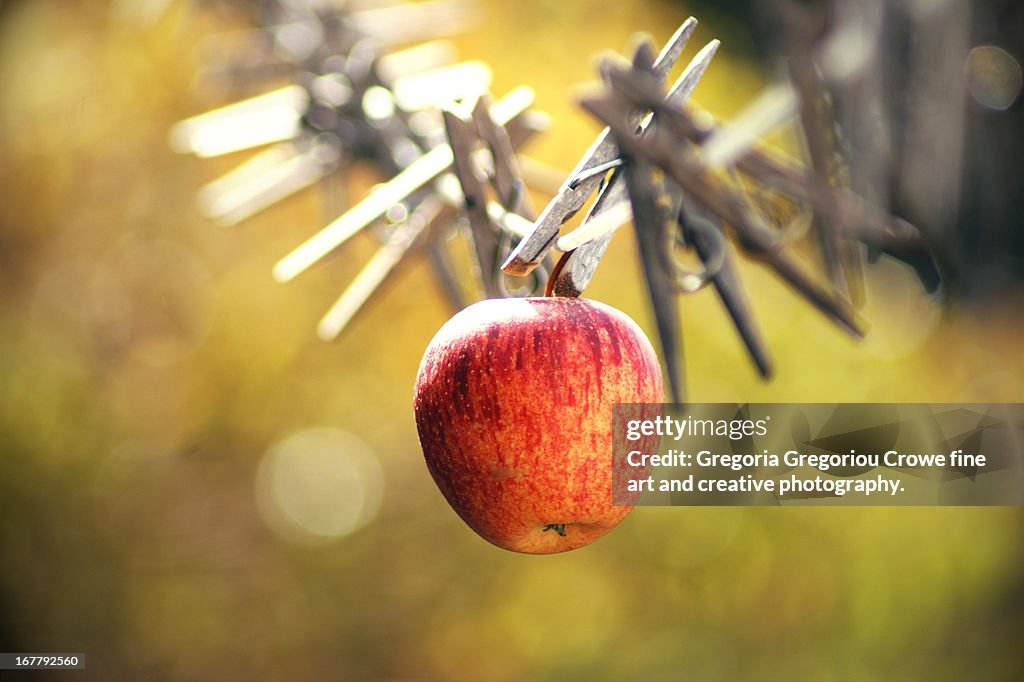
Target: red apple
(513, 405)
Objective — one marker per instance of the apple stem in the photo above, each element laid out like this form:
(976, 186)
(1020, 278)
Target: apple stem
(549, 288)
(557, 527)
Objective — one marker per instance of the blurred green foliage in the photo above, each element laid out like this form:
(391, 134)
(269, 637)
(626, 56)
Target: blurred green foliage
(148, 364)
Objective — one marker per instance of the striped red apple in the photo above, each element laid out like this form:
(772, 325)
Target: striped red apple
(513, 405)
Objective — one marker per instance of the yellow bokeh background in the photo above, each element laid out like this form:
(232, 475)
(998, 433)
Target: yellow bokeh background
(171, 429)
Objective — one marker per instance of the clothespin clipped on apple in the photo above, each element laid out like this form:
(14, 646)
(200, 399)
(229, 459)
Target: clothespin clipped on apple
(601, 170)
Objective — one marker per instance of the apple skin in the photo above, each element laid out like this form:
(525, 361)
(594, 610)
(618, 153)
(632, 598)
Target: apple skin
(513, 405)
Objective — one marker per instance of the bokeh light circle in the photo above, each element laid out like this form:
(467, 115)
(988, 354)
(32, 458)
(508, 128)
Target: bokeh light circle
(993, 77)
(318, 485)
